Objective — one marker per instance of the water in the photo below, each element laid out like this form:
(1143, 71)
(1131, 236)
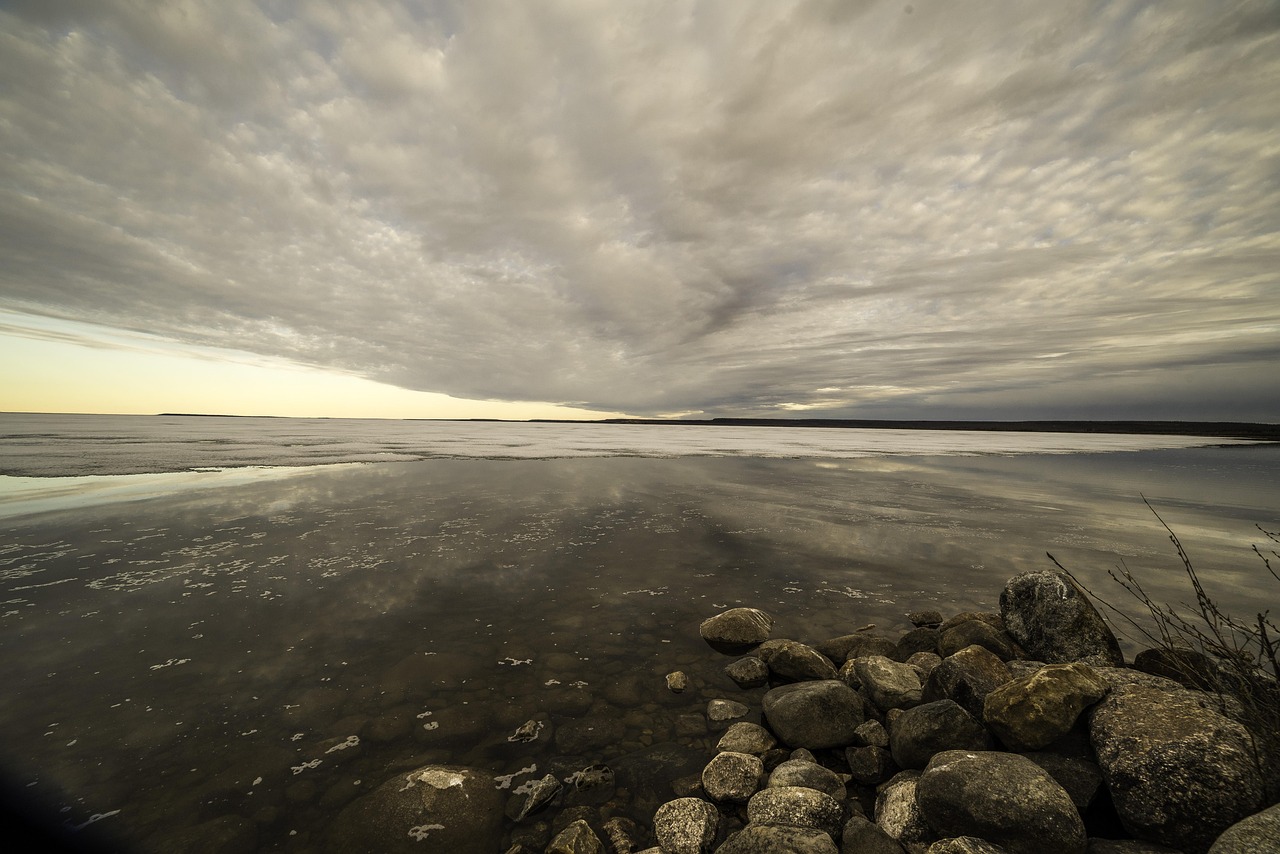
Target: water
(259, 646)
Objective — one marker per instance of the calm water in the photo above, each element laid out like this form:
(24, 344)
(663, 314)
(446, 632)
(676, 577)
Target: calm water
(265, 645)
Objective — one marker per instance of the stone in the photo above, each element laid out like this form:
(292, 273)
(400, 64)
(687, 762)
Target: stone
(964, 845)
(870, 765)
(1257, 834)
(977, 633)
(720, 711)
(732, 776)
(541, 793)
(1188, 667)
(897, 812)
(1080, 777)
(856, 645)
(1179, 772)
(686, 826)
(1036, 710)
(797, 806)
(888, 684)
(749, 672)
(814, 715)
(967, 677)
(1054, 621)
(736, 630)
(863, 836)
(1124, 677)
(924, 663)
(1002, 798)
(583, 735)
(932, 728)
(434, 808)
(778, 839)
(872, 734)
(648, 775)
(995, 621)
(917, 640)
(795, 662)
(746, 737)
(1127, 846)
(577, 838)
(801, 772)
(677, 682)
(621, 835)
(930, 619)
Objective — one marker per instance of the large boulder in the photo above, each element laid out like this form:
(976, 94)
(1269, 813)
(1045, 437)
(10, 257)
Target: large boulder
(1054, 621)
(686, 826)
(1000, 797)
(921, 732)
(795, 662)
(435, 808)
(737, 630)
(1179, 772)
(798, 806)
(814, 715)
(887, 683)
(1257, 834)
(966, 676)
(1036, 710)
(778, 839)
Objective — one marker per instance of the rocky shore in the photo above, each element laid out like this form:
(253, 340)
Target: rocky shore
(1021, 731)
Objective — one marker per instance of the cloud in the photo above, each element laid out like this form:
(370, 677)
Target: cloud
(733, 208)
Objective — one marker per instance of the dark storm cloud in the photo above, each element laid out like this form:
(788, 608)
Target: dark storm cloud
(654, 207)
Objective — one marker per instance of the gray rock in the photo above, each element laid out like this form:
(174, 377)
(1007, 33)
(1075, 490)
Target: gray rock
(1054, 620)
(995, 621)
(778, 839)
(577, 838)
(1036, 710)
(888, 684)
(871, 734)
(795, 662)
(1179, 772)
(1081, 778)
(897, 812)
(863, 836)
(621, 834)
(870, 765)
(686, 826)
(856, 645)
(800, 753)
(677, 682)
(931, 619)
(435, 808)
(801, 772)
(542, 793)
(1124, 677)
(745, 737)
(814, 715)
(921, 639)
(736, 630)
(1002, 798)
(749, 672)
(732, 776)
(797, 806)
(1188, 667)
(977, 633)
(726, 710)
(925, 663)
(1257, 834)
(966, 676)
(1126, 846)
(964, 845)
(921, 732)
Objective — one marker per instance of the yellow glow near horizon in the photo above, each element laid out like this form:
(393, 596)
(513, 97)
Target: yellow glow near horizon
(60, 366)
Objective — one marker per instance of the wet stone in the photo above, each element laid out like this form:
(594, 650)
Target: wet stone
(538, 797)
(797, 806)
(577, 838)
(686, 826)
(748, 672)
(745, 737)
(677, 682)
(736, 630)
(801, 772)
(732, 776)
(726, 710)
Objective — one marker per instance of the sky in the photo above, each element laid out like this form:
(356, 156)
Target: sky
(565, 208)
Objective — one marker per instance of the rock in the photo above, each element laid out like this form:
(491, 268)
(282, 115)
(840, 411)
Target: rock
(797, 806)
(1126, 846)
(888, 684)
(1000, 797)
(966, 677)
(1257, 834)
(800, 772)
(977, 633)
(800, 753)
(577, 838)
(1035, 711)
(863, 836)
(1179, 772)
(732, 776)
(914, 641)
(814, 715)
(1054, 620)
(686, 826)
(925, 663)
(677, 682)
(736, 630)
(897, 812)
(521, 806)
(872, 734)
(435, 808)
(621, 835)
(778, 839)
(932, 728)
(995, 621)
(795, 662)
(1124, 677)
(931, 619)
(726, 710)
(745, 737)
(869, 765)
(964, 845)
(583, 735)
(856, 645)
(648, 774)
(1188, 667)
(1081, 778)
(749, 672)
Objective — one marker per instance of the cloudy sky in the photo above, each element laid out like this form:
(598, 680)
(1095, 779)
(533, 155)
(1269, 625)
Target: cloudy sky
(829, 208)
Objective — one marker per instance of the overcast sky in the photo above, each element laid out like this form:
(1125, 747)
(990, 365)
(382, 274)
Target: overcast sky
(833, 208)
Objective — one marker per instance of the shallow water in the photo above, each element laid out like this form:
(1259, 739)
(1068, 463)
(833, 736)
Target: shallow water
(268, 644)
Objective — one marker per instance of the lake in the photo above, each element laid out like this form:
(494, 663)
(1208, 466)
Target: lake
(252, 645)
